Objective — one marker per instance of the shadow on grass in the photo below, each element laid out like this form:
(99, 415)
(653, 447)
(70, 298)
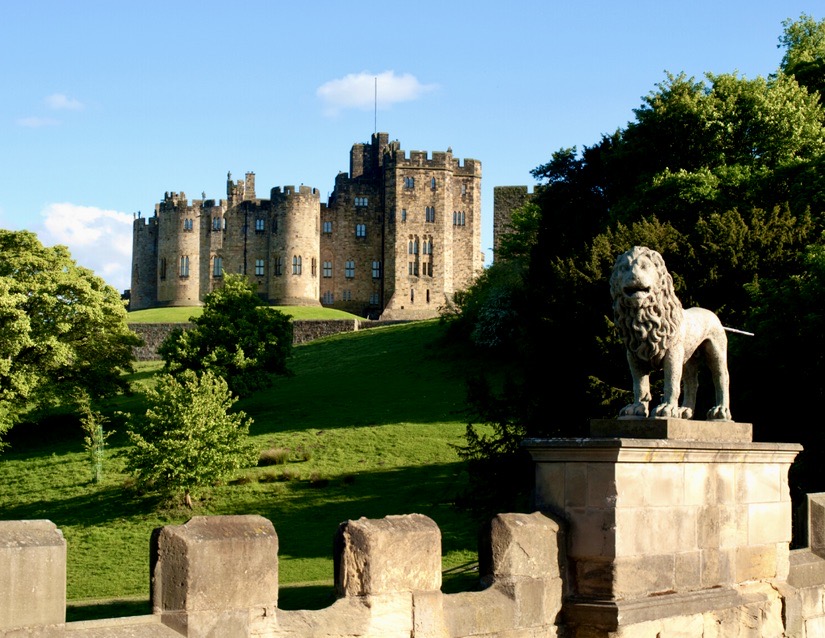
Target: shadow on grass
(97, 507)
(306, 597)
(109, 609)
(306, 517)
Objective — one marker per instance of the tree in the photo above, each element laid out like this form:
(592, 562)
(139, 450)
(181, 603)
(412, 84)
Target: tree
(64, 331)
(188, 438)
(724, 177)
(237, 337)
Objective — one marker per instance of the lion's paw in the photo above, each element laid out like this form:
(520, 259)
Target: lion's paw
(668, 410)
(686, 413)
(634, 409)
(719, 413)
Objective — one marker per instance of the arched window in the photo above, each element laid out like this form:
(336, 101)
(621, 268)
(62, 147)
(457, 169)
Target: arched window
(296, 265)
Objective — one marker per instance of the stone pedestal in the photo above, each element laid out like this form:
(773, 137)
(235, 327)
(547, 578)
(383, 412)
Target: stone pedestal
(679, 522)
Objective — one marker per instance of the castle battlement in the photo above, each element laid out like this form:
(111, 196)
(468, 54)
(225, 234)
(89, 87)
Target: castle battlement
(288, 191)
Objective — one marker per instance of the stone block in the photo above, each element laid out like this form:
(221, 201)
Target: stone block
(630, 484)
(688, 570)
(674, 429)
(211, 570)
(601, 485)
(550, 487)
(759, 482)
(664, 484)
(718, 567)
(644, 575)
(428, 614)
(592, 532)
(32, 575)
(769, 523)
(489, 612)
(655, 530)
(392, 554)
(721, 526)
(700, 490)
(755, 563)
(524, 545)
(575, 484)
(816, 523)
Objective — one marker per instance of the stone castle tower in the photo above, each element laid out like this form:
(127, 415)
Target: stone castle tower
(398, 236)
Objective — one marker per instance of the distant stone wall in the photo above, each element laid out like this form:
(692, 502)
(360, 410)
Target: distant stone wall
(153, 334)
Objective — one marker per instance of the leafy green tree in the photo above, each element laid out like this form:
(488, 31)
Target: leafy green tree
(804, 58)
(725, 176)
(237, 337)
(188, 438)
(64, 331)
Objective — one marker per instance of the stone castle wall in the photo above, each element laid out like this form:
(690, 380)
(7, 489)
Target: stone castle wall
(354, 253)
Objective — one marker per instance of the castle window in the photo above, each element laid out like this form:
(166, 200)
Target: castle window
(458, 218)
(374, 299)
(346, 295)
(427, 247)
(314, 267)
(327, 228)
(260, 225)
(429, 214)
(217, 266)
(427, 269)
(409, 182)
(187, 224)
(361, 201)
(403, 214)
(428, 295)
(184, 266)
(413, 268)
(274, 224)
(327, 298)
(163, 268)
(412, 295)
(349, 269)
(360, 230)
(259, 267)
(432, 183)
(413, 247)
(327, 269)
(218, 223)
(279, 266)
(464, 189)
(296, 265)
(376, 270)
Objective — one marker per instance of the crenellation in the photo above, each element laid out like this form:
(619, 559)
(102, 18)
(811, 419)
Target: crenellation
(351, 252)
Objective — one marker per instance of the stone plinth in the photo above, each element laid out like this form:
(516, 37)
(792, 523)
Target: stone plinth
(208, 573)
(662, 516)
(32, 576)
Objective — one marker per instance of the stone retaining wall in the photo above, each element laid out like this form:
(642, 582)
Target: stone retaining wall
(153, 334)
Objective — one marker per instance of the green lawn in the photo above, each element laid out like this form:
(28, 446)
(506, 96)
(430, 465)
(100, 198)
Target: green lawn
(368, 420)
(182, 315)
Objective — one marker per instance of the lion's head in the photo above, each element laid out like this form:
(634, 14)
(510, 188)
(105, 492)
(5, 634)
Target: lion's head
(645, 307)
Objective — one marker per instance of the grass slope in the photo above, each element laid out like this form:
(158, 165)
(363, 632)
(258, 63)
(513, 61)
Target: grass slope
(367, 422)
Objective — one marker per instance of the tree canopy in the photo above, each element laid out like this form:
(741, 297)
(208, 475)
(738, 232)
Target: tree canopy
(188, 438)
(724, 177)
(64, 332)
(238, 337)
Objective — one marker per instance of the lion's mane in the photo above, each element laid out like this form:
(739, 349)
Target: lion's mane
(647, 330)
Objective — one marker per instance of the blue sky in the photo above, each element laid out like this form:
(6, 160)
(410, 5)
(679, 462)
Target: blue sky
(107, 105)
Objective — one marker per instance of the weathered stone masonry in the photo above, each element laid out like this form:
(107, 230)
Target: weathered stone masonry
(397, 238)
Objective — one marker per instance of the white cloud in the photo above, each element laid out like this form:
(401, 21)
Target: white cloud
(37, 122)
(62, 102)
(98, 239)
(358, 91)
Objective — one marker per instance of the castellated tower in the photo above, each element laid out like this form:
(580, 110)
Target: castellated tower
(295, 245)
(398, 237)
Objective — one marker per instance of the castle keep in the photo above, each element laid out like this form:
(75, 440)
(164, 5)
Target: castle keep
(398, 237)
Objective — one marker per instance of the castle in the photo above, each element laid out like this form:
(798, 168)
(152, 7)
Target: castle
(397, 238)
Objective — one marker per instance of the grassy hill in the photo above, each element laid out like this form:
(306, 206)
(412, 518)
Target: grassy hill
(366, 425)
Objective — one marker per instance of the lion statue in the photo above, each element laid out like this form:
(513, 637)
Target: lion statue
(660, 335)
